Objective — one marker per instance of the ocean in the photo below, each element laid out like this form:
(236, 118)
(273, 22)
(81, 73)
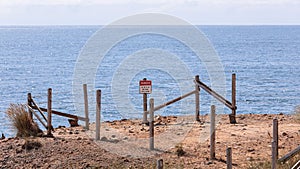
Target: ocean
(266, 60)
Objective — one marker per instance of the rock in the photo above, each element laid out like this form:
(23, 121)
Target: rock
(250, 149)
(209, 163)
(61, 133)
(113, 136)
(104, 139)
(18, 150)
(284, 134)
(131, 131)
(249, 158)
(233, 134)
(2, 137)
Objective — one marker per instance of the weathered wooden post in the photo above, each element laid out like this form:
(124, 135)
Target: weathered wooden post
(275, 136)
(233, 99)
(197, 99)
(86, 107)
(98, 115)
(49, 112)
(151, 127)
(160, 164)
(145, 121)
(29, 103)
(274, 156)
(213, 132)
(229, 158)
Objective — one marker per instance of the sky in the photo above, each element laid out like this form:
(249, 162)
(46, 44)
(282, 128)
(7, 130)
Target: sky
(197, 12)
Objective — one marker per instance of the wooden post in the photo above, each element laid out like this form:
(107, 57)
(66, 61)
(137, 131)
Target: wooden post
(213, 133)
(197, 99)
(49, 112)
(229, 158)
(274, 156)
(151, 127)
(145, 121)
(160, 164)
(29, 103)
(98, 115)
(275, 136)
(86, 107)
(233, 99)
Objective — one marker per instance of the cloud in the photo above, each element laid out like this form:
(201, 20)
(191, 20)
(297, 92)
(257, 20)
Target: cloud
(173, 2)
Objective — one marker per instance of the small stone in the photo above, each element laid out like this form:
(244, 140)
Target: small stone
(79, 138)
(209, 163)
(19, 151)
(60, 133)
(131, 131)
(250, 149)
(104, 139)
(249, 159)
(284, 134)
(76, 132)
(113, 136)
(233, 134)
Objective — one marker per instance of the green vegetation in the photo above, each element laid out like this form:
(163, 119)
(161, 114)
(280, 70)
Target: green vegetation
(22, 122)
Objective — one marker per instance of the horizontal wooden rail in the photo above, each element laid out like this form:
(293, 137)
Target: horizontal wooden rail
(173, 101)
(62, 114)
(289, 155)
(215, 94)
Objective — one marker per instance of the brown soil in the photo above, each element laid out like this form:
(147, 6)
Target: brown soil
(250, 140)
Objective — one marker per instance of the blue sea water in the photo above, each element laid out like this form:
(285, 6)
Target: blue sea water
(266, 60)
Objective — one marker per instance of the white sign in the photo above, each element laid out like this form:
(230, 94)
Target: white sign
(145, 86)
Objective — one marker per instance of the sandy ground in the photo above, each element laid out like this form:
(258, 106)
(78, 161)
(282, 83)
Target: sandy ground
(125, 144)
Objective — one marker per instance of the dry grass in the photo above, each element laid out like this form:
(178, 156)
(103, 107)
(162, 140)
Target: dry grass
(267, 164)
(21, 121)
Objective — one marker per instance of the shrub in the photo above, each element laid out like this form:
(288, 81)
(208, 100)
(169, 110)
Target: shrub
(179, 150)
(21, 121)
(29, 145)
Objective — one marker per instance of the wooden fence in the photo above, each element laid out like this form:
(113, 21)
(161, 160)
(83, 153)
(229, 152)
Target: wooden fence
(47, 121)
(286, 157)
(198, 85)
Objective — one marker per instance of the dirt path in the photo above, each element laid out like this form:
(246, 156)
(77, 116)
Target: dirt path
(125, 144)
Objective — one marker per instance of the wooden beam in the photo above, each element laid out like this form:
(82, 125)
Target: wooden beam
(197, 100)
(63, 114)
(38, 108)
(173, 101)
(86, 106)
(33, 112)
(215, 94)
(289, 155)
(49, 122)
